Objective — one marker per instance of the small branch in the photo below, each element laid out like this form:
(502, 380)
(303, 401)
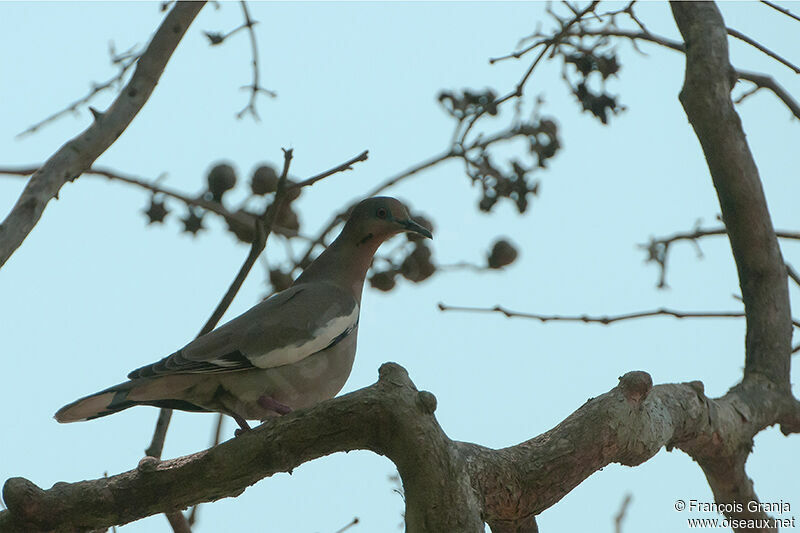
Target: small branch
(178, 522)
(781, 9)
(255, 88)
(352, 523)
(125, 61)
(658, 248)
(620, 516)
(605, 320)
(347, 165)
(760, 80)
(767, 82)
(156, 447)
(464, 265)
(793, 275)
(550, 42)
(78, 154)
(262, 233)
(763, 49)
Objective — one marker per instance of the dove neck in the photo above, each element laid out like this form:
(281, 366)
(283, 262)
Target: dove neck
(345, 263)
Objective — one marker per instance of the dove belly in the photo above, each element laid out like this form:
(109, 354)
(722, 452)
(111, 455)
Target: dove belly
(304, 383)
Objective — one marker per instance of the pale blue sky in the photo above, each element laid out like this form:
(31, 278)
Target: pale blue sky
(94, 293)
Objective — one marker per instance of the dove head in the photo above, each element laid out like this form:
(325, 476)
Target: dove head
(346, 261)
(374, 220)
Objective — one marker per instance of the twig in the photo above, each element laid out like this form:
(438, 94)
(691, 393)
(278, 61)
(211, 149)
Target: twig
(760, 80)
(767, 82)
(178, 522)
(620, 516)
(793, 275)
(761, 48)
(156, 447)
(605, 320)
(464, 265)
(781, 9)
(352, 523)
(125, 61)
(347, 165)
(552, 41)
(255, 88)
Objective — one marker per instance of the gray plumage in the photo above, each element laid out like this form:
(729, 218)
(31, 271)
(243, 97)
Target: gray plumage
(291, 351)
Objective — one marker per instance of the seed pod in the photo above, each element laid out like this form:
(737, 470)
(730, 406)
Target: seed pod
(503, 254)
(221, 178)
(264, 180)
(383, 281)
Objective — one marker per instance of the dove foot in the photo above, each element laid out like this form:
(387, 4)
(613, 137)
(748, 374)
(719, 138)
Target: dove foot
(273, 405)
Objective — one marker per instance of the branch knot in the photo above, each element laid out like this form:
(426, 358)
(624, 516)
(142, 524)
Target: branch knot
(636, 385)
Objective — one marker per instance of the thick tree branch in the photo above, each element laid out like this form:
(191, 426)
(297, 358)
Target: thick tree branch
(762, 274)
(449, 486)
(390, 417)
(73, 158)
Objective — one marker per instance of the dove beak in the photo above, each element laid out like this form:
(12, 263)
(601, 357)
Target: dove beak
(414, 227)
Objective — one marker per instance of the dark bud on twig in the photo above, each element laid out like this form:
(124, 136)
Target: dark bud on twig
(156, 211)
(280, 280)
(503, 254)
(192, 222)
(264, 180)
(383, 281)
(221, 178)
(214, 38)
(418, 266)
(425, 223)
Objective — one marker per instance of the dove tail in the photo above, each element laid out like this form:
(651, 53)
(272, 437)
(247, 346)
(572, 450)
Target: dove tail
(158, 392)
(105, 402)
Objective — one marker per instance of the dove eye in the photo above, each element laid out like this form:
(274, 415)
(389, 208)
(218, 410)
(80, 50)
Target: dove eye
(381, 212)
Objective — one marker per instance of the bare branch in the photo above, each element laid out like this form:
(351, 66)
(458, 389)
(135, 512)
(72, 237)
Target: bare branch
(347, 165)
(78, 154)
(793, 275)
(658, 248)
(759, 80)
(255, 87)
(178, 522)
(767, 82)
(760, 47)
(352, 524)
(123, 61)
(605, 320)
(781, 9)
(620, 516)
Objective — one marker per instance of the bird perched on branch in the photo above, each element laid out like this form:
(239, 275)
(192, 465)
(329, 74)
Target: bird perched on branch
(291, 351)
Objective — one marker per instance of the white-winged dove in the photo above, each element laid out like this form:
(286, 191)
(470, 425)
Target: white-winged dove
(290, 351)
